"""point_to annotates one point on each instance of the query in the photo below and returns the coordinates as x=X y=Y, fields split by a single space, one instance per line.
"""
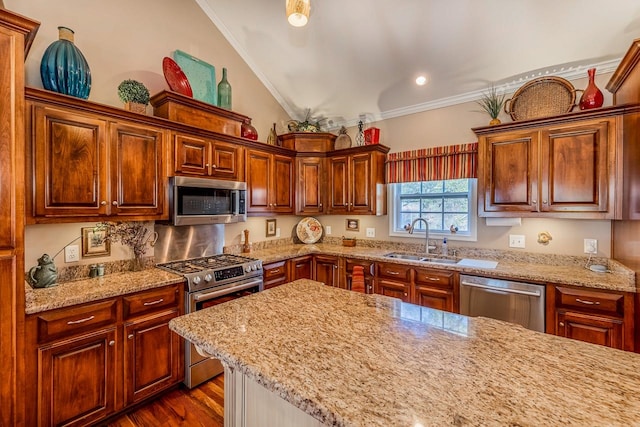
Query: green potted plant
x=492 y=103
x=134 y=95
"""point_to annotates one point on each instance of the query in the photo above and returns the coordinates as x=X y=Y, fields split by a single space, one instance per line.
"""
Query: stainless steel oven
x=213 y=280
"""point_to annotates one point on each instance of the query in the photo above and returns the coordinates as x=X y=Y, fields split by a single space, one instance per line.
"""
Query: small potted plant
x=492 y=104
x=134 y=95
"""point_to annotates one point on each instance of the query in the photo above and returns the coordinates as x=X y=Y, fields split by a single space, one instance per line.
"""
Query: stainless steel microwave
x=197 y=201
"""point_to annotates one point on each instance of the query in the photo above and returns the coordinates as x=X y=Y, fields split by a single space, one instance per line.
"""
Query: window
x=443 y=203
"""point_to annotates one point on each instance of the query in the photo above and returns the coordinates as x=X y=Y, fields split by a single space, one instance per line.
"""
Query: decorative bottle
x=592 y=96
x=224 y=92
x=64 y=69
x=360 y=134
x=247 y=130
x=272 y=139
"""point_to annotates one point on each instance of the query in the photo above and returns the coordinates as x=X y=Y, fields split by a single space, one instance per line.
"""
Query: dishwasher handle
x=505 y=290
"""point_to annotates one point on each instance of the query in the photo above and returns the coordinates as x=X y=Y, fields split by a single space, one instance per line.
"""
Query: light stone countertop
x=350 y=359
x=529 y=267
x=81 y=291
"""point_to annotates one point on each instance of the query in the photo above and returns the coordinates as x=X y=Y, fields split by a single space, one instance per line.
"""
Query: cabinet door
x=258 y=180
x=338 y=184
x=191 y=155
x=361 y=185
x=301 y=268
x=441 y=299
x=137 y=174
x=576 y=171
x=152 y=356
x=282 y=184
x=69 y=164
x=436 y=289
x=369 y=273
x=226 y=161
x=310 y=185
x=326 y=270
x=510 y=179
x=401 y=290
x=594 y=329
x=76 y=379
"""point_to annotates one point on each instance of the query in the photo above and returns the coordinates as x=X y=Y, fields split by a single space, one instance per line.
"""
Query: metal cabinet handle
x=111 y=343
x=581 y=301
x=158 y=301
x=433 y=279
x=103 y=203
x=561 y=323
x=534 y=201
x=75 y=322
x=299 y=265
x=395 y=273
x=405 y=294
x=114 y=203
x=214 y=166
x=130 y=336
x=544 y=202
x=275 y=270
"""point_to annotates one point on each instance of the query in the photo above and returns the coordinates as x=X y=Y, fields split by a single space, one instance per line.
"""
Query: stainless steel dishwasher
x=516 y=302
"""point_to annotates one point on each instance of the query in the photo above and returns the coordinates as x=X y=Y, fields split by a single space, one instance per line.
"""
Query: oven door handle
x=505 y=290
x=226 y=291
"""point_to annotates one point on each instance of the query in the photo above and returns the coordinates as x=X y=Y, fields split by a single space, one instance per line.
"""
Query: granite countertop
x=557 y=269
x=350 y=359
x=81 y=291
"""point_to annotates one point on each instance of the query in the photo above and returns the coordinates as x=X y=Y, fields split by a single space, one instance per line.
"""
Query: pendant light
x=298 y=12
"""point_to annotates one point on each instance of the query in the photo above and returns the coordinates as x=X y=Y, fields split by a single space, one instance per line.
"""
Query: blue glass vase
x=64 y=69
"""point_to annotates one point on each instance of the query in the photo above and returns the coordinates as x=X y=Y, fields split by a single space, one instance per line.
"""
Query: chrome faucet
x=412 y=226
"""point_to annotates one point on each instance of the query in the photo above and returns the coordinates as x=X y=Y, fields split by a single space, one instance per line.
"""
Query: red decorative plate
x=175 y=78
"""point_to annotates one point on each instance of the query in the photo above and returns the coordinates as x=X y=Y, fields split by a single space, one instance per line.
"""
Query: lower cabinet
x=590 y=315
x=326 y=269
x=301 y=268
x=274 y=274
x=369 y=273
x=90 y=361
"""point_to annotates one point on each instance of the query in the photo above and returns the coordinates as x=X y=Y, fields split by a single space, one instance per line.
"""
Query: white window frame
x=472 y=236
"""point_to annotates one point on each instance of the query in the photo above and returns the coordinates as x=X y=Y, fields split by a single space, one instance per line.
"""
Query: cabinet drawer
x=149 y=301
x=608 y=302
x=441 y=279
x=67 y=322
x=275 y=270
x=394 y=271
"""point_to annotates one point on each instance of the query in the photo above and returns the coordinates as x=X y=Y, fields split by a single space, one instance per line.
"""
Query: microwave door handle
x=505 y=290
x=235 y=202
x=226 y=291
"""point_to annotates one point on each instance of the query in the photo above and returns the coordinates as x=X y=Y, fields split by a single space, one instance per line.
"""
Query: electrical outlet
x=516 y=241
x=71 y=253
x=371 y=232
x=590 y=246
x=327 y=230
x=277 y=231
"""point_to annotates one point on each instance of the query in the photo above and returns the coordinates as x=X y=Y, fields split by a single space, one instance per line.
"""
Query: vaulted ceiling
x=361 y=57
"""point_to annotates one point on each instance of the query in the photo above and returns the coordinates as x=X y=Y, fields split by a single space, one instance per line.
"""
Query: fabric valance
x=433 y=164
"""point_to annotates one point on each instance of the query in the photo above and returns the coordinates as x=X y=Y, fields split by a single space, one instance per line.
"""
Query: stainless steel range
x=212 y=280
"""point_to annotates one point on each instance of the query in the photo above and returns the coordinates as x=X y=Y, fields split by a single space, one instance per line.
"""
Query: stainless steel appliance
x=516 y=302
x=213 y=280
x=197 y=201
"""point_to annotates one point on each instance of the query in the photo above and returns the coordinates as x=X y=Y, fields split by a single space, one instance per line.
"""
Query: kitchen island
x=348 y=359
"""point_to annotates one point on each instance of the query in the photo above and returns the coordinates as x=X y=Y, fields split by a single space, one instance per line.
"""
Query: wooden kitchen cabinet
x=326 y=270
x=368 y=268
x=394 y=280
x=301 y=268
x=437 y=289
x=88 y=166
x=269 y=182
x=357 y=182
x=595 y=316
x=559 y=168
x=89 y=361
x=197 y=156
x=310 y=185
x=274 y=274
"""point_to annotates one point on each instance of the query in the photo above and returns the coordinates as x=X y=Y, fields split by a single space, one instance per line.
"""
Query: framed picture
x=271 y=227
x=352 y=224
x=94 y=242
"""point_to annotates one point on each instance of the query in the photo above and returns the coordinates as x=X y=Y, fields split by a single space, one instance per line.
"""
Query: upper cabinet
x=269 y=182
x=564 y=166
x=88 y=166
x=310 y=185
x=198 y=156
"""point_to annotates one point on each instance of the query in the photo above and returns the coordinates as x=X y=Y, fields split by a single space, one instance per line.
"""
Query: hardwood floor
x=200 y=406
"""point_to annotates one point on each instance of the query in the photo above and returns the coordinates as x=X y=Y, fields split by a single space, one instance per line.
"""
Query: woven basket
x=541 y=97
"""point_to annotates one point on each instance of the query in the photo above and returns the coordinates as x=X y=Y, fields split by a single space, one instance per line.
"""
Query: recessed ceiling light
x=421 y=80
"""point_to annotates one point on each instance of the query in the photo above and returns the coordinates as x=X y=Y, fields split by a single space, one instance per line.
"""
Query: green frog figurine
x=45 y=274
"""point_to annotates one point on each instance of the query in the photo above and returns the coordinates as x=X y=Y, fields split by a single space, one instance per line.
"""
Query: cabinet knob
x=207 y=165
x=346 y=204
x=114 y=203
x=544 y=202
x=103 y=203
x=534 y=201
x=561 y=323
x=130 y=336
x=214 y=166
x=405 y=294
x=112 y=343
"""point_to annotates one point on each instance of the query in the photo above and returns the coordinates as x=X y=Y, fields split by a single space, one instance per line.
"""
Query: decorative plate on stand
x=309 y=230
x=175 y=78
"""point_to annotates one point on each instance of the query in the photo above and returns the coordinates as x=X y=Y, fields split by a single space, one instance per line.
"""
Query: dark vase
x=64 y=69
x=248 y=131
x=224 y=92
x=592 y=96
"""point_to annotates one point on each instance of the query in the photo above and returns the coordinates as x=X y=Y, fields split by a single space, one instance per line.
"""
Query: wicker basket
x=349 y=242
x=541 y=97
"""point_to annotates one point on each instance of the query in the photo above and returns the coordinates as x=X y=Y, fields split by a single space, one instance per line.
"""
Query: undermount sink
x=399 y=255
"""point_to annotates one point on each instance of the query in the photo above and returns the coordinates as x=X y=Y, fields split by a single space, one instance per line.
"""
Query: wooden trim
x=626 y=66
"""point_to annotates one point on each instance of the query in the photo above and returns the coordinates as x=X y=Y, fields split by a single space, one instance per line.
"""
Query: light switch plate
x=277 y=231
x=590 y=246
x=327 y=230
x=71 y=253
x=371 y=232
x=516 y=241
